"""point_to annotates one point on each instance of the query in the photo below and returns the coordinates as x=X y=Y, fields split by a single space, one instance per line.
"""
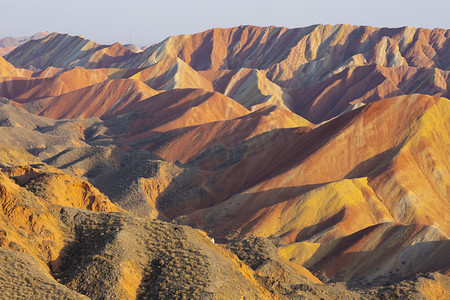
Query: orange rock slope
x=31 y=88
x=6 y=69
x=330 y=141
x=28 y=199
x=387 y=141
x=317 y=72
x=100 y=100
x=396 y=172
x=46 y=216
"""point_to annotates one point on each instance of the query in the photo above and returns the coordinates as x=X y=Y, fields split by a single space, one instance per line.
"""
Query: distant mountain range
x=7 y=44
x=316 y=158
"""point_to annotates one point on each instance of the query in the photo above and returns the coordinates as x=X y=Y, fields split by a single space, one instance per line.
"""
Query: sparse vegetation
x=246 y=133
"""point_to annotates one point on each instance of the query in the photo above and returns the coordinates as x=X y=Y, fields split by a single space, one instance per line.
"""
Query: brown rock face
x=31 y=88
x=320 y=156
x=98 y=100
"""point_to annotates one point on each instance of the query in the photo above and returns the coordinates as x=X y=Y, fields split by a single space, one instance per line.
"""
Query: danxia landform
x=239 y=163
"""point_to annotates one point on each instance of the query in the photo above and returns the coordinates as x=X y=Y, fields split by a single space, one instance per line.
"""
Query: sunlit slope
x=180 y=124
x=293 y=57
x=29 y=89
x=185 y=144
x=270 y=188
x=330 y=143
x=99 y=100
x=46 y=216
x=250 y=87
x=296 y=57
x=315 y=210
x=26 y=216
x=415 y=184
x=6 y=69
x=172 y=73
x=318 y=72
x=375 y=253
x=65 y=50
x=354 y=87
x=179 y=108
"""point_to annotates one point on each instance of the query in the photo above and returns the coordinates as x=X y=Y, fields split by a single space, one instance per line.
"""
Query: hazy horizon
x=149 y=22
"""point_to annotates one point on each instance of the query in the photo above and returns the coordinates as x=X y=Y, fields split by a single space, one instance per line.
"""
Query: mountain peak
x=316 y=151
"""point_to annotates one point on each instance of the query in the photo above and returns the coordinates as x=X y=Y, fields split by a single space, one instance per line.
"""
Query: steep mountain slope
x=32 y=88
x=136 y=257
x=289 y=54
x=322 y=149
x=333 y=144
x=9 y=43
x=292 y=198
x=315 y=67
x=250 y=87
x=178 y=109
x=376 y=253
x=179 y=124
x=6 y=69
x=352 y=88
x=70 y=232
x=65 y=50
x=98 y=100
x=185 y=144
x=27 y=195
x=172 y=73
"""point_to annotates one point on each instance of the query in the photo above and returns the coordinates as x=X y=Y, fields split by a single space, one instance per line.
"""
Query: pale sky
x=109 y=21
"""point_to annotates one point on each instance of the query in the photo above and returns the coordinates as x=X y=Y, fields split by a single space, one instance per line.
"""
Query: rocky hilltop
x=249 y=162
x=9 y=43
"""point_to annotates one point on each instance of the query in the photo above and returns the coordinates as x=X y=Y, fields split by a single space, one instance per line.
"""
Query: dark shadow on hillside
x=281 y=160
x=308 y=232
x=14 y=88
x=376 y=163
x=390 y=261
x=219 y=227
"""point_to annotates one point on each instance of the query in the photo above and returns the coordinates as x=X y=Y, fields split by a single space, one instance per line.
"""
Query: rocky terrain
x=9 y=43
x=241 y=163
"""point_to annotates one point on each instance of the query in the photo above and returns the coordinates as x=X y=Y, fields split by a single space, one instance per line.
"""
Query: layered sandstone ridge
x=317 y=157
x=307 y=69
x=51 y=222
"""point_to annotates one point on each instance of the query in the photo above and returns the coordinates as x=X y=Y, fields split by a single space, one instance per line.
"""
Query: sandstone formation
x=240 y=163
